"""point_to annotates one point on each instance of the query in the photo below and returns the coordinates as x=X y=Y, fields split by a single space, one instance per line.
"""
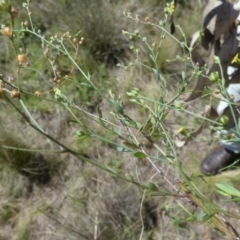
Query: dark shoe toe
x=216 y=160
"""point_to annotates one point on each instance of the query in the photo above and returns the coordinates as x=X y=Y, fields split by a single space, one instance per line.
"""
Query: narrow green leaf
x=183 y=75
x=191 y=219
x=222 y=193
x=156 y=72
x=201 y=215
x=116 y=131
x=153 y=58
x=152 y=186
x=140 y=155
x=81 y=135
x=170 y=156
x=130 y=145
x=163 y=116
x=77 y=34
x=117 y=106
x=129 y=122
x=208 y=217
x=87 y=85
x=111 y=170
x=100 y=115
x=163 y=193
x=228 y=189
x=99 y=112
x=153 y=120
x=122 y=149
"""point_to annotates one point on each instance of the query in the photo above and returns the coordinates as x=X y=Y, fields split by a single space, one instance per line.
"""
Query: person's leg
x=228 y=152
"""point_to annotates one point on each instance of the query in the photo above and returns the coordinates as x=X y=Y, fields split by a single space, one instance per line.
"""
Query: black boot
x=216 y=160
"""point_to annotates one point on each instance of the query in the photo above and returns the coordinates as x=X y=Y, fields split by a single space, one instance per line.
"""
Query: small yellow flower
x=170 y=8
x=181 y=130
x=236 y=59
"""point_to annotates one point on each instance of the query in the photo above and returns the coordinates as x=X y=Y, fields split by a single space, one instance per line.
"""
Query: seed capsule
x=7 y=31
x=232 y=97
x=14 y=12
x=65 y=35
x=38 y=94
x=22 y=58
x=154 y=45
x=26 y=24
x=15 y=94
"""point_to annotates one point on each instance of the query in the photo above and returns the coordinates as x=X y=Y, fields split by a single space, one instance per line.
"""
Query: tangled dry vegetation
x=51 y=194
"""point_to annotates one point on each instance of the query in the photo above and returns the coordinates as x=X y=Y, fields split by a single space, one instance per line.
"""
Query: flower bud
x=214 y=77
x=224 y=120
x=178 y=105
